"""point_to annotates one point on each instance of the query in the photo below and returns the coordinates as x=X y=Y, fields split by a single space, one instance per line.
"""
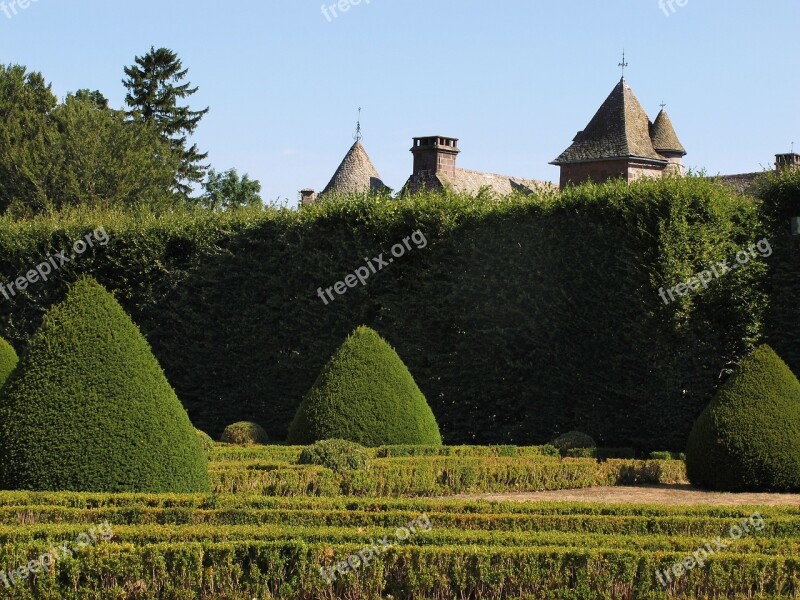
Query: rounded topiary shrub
x=8 y=361
x=337 y=455
x=244 y=433
x=573 y=439
x=748 y=437
x=206 y=441
x=365 y=394
x=89 y=409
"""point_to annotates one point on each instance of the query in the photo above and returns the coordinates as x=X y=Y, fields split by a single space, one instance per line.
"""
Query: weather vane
x=623 y=64
x=357 y=137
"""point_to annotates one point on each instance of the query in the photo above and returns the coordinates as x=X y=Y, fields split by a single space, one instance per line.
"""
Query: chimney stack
x=435 y=155
x=787 y=161
x=307 y=196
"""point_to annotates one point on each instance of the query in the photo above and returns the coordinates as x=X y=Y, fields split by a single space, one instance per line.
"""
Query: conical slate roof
x=355 y=175
x=664 y=137
x=620 y=129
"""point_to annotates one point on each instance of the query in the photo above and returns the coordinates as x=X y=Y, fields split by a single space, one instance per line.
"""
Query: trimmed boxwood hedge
x=89 y=408
x=337 y=455
x=365 y=394
x=206 y=441
x=8 y=361
x=748 y=437
x=244 y=433
x=573 y=439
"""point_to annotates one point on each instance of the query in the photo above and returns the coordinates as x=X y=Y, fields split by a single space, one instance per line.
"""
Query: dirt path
x=676 y=495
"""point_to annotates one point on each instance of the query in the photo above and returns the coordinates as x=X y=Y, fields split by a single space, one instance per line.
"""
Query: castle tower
x=667 y=144
x=356 y=175
x=617 y=143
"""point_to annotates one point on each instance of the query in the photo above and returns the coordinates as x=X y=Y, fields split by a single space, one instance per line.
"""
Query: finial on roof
x=623 y=64
x=663 y=105
x=358 y=135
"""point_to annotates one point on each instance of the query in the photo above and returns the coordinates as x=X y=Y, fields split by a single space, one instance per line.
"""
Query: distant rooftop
x=356 y=174
x=620 y=128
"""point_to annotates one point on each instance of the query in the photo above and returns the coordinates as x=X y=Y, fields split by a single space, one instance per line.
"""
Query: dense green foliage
x=748 y=437
x=206 y=441
x=89 y=409
x=243 y=433
x=518 y=320
x=337 y=455
x=8 y=361
x=573 y=439
x=223 y=191
x=78 y=152
x=365 y=394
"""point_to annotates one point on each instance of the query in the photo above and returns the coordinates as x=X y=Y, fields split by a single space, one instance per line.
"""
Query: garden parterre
x=251 y=545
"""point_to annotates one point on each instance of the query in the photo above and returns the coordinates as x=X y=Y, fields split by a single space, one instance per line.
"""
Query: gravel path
x=676 y=495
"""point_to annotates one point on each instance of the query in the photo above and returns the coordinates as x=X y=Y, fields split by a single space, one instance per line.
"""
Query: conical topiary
x=8 y=361
x=89 y=409
x=365 y=394
x=748 y=437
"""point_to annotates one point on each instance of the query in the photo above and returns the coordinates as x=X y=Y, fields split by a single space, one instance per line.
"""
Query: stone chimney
x=435 y=155
x=307 y=196
x=787 y=161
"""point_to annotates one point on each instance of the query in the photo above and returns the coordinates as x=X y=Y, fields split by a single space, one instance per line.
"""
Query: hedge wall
x=519 y=320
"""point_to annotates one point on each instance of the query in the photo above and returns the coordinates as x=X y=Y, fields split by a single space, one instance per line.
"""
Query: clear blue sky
x=513 y=79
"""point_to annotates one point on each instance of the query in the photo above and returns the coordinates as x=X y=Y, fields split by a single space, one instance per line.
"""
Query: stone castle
x=620 y=141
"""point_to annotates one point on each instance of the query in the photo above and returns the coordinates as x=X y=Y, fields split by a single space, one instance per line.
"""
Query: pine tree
x=154 y=90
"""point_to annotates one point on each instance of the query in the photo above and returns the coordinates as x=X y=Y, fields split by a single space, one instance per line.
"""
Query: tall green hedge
x=781 y=194
x=366 y=395
x=89 y=408
x=8 y=361
x=748 y=438
x=519 y=319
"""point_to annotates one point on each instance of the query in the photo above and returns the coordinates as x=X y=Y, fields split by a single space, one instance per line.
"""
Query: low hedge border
x=442 y=476
x=291 y=569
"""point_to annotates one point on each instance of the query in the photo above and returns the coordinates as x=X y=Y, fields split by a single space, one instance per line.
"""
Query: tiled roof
x=355 y=175
x=620 y=129
x=472 y=182
x=664 y=137
x=743 y=183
